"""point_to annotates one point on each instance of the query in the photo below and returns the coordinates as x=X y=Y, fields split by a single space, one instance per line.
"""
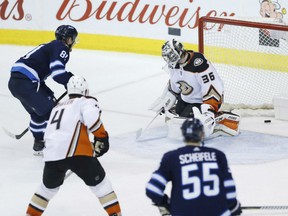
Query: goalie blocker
x=224 y=124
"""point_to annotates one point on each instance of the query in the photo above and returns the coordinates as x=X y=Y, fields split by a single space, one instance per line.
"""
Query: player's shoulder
x=57 y=45
x=170 y=154
x=89 y=100
x=197 y=62
x=178 y=151
x=211 y=149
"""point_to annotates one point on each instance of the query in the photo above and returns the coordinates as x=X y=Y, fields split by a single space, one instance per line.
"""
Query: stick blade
x=143 y=135
x=9 y=133
x=139 y=134
x=15 y=136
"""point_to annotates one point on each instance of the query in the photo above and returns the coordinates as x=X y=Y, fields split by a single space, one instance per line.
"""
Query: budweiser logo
x=11 y=10
x=140 y=11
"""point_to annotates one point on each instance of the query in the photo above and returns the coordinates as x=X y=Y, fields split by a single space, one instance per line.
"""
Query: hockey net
x=251 y=56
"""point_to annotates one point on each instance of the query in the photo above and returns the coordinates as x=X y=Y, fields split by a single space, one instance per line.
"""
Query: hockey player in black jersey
x=202 y=184
x=28 y=75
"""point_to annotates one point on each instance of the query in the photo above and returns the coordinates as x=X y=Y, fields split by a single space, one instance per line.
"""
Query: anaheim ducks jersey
x=197 y=81
x=67 y=132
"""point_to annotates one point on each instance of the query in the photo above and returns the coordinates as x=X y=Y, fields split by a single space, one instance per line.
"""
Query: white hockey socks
x=107 y=197
x=40 y=200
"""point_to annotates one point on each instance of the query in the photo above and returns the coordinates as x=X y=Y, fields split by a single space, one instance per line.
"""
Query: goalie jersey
x=67 y=132
x=201 y=182
x=197 y=81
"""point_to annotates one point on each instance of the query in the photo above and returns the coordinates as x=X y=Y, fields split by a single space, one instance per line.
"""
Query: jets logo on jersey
x=185 y=88
x=198 y=61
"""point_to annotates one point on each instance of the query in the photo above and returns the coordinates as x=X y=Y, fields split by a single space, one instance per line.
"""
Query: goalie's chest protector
x=187 y=84
x=196 y=79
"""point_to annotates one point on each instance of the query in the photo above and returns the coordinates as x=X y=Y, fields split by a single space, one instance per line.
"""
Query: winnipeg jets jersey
x=197 y=81
x=202 y=184
x=67 y=132
x=45 y=60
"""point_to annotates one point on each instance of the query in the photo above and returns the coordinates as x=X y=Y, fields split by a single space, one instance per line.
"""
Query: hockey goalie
x=194 y=90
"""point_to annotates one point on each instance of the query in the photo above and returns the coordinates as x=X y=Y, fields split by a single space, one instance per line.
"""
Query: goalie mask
x=172 y=51
x=77 y=86
x=192 y=130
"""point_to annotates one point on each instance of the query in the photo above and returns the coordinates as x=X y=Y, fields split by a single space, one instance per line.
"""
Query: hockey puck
x=267 y=121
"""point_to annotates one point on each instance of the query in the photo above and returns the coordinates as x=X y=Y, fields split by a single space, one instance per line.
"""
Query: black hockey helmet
x=192 y=130
x=65 y=31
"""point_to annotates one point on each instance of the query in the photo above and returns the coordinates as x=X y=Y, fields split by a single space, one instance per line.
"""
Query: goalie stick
x=140 y=132
x=264 y=207
x=19 y=136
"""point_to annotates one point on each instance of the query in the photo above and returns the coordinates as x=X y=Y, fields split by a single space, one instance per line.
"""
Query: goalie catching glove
x=207 y=117
x=164 y=102
x=101 y=146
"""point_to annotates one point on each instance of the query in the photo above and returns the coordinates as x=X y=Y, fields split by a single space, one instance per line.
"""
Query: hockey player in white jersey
x=194 y=89
x=68 y=147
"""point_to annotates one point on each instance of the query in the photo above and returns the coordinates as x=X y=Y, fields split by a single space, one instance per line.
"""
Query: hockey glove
x=207 y=109
x=236 y=210
x=164 y=102
x=101 y=146
x=206 y=117
x=164 y=206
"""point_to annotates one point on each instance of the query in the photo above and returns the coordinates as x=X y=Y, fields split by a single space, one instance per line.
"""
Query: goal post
x=251 y=56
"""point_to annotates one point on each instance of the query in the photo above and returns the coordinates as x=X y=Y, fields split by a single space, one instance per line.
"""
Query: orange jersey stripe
x=80 y=144
x=32 y=211
x=100 y=132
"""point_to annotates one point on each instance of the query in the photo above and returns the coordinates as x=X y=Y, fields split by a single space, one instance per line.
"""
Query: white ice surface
x=125 y=85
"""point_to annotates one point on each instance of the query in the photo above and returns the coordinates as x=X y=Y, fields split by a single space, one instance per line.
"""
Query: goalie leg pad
x=227 y=124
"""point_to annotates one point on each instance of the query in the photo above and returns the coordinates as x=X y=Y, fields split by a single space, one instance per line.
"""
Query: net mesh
x=251 y=58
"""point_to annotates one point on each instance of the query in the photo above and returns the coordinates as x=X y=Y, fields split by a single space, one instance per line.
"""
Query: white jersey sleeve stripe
x=95 y=126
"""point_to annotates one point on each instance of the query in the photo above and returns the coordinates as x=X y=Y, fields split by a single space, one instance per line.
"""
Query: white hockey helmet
x=77 y=85
x=172 y=51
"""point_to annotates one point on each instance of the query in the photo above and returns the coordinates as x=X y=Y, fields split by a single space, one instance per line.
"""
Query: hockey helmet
x=63 y=32
x=77 y=86
x=193 y=130
x=172 y=51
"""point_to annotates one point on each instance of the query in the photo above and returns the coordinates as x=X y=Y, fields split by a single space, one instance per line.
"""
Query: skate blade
x=38 y=153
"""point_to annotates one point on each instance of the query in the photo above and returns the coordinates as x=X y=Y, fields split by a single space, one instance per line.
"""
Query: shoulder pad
x=197 y=63
x=90 y=97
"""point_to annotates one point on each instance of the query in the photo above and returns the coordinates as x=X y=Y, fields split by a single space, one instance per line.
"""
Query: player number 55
x=194 y=182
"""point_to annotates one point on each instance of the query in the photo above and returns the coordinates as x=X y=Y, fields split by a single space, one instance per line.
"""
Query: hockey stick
x=264 y=207
x=19 y=136
x=140 y=132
